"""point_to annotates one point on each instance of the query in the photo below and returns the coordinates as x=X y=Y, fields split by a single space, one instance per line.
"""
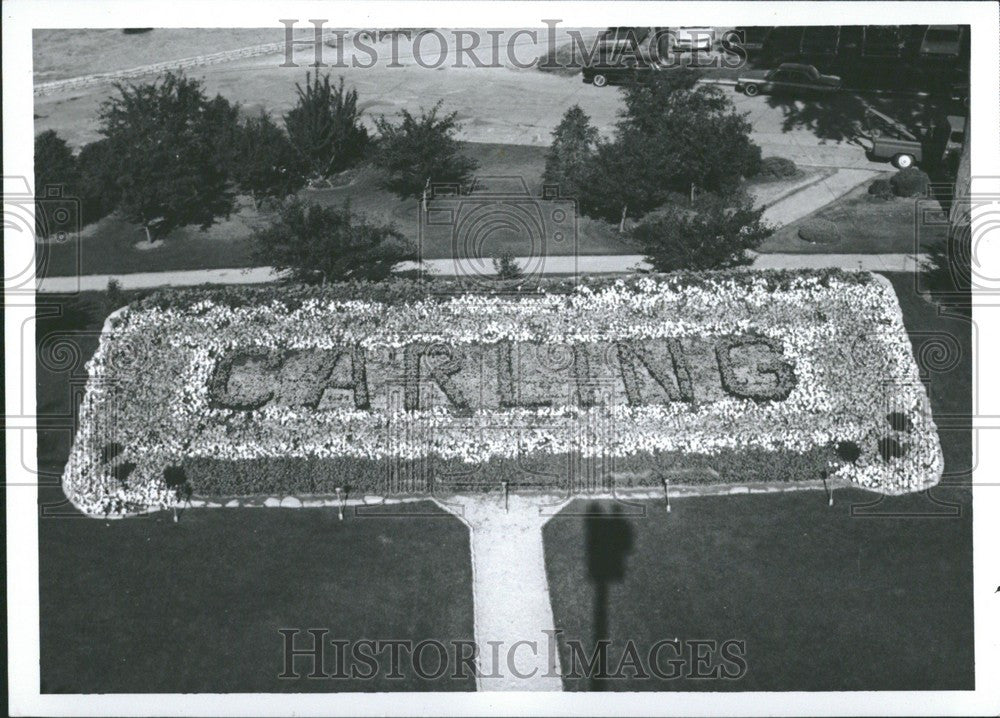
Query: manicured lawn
x=867 y=225
x=146 y=605
x=825 y=600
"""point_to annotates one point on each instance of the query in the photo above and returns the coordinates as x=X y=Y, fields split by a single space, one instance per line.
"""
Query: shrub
x=777 y=168
x=910 y=182
x=819 y=231
x=506 y=268
x=328 y=243
x=881 y=188
x=713 y=234
x=114 y=295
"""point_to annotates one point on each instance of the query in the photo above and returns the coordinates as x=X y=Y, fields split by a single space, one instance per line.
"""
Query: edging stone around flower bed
x=553 y=501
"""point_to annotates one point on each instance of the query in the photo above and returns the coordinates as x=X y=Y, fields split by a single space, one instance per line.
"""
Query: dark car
x=789 y=77
x=750 y=37
x=623 y=73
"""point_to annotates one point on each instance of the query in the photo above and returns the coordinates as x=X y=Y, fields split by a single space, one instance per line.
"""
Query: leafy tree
x=570 y=157
x=328 y=243
x=265 y=163
x=674 y=136
x=420 y=150
x=324 y=126
x=645 y=101
x=55 y=167
x=54 y=163
x=172 y=149
x=713 y=233
x=98 y=183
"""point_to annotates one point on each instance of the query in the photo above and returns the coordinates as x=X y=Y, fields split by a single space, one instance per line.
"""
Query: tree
x=570 y=157
x=713 y=233
x=55 y=167
x=420 y=150
x=328 y=244
x=171 y=149
x=54 y=163
x=674 y=136
x=98 y=183
x=265 y=162
x=324 y=127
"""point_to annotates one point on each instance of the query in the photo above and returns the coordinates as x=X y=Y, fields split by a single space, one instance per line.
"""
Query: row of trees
x=171 y=156
x=672 y=172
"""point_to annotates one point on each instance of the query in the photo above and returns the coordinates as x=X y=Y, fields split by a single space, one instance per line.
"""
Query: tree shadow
x=608 y=541
x=855 y=117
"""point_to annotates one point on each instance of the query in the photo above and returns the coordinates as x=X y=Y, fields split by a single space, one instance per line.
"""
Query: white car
x=694 y=39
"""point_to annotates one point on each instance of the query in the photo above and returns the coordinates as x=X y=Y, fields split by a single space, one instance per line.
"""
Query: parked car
x=905 y=152
x=693 y=39
x=625 y=55
x=628 y=72
x=942 y=42
x=750 y=37
x=789 y=77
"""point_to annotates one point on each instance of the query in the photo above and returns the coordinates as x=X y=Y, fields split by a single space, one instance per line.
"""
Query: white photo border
x=20 y=17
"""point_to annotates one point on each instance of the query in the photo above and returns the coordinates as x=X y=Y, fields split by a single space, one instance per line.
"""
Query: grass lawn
x=867 y=225
x=824 y=600
x=146 y=605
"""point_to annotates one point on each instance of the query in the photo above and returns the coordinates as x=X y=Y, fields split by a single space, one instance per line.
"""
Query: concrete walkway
x=815 y=196
x=514 y=625
x=600 y=264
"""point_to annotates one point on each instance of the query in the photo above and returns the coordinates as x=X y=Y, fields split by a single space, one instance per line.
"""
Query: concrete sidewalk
x=816 y=195
x=572 y=266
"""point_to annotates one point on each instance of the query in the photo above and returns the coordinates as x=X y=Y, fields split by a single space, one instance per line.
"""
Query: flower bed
x=720 y=377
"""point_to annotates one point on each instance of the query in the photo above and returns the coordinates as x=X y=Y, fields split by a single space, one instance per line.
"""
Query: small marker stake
x=829 y=492
x=175 y=513
x=340 y=505
x=504 y=484
x=666 y=493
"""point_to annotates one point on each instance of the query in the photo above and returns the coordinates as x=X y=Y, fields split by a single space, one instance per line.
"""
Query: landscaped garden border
x=746 y=376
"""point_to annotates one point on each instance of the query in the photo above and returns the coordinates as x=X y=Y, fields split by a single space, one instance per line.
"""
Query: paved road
x=501 y=104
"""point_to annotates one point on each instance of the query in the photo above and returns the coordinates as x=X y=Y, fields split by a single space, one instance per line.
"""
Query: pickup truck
x=909 y=152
